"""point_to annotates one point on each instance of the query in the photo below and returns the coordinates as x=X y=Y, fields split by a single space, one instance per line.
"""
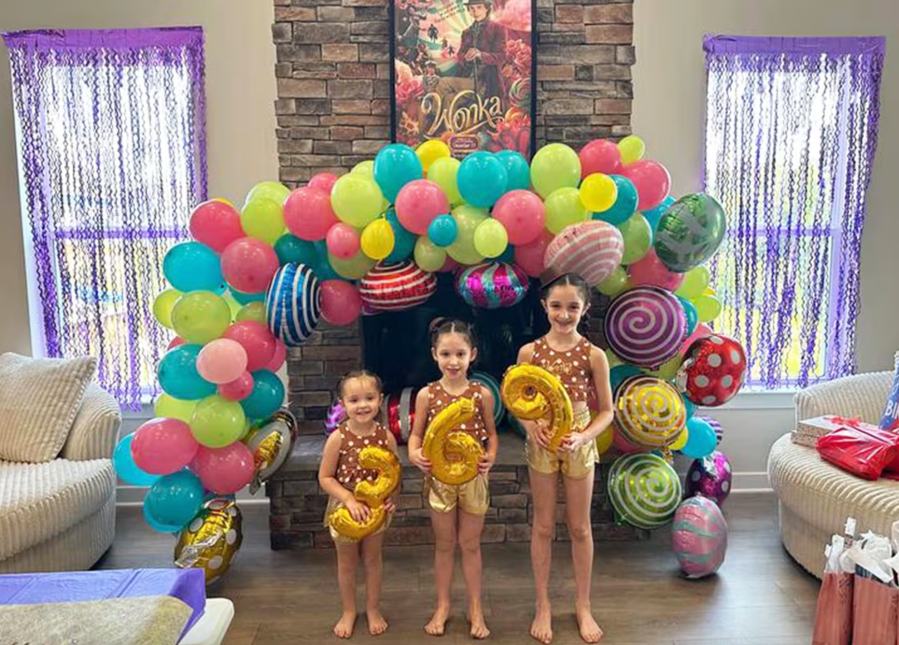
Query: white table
x=213 y=624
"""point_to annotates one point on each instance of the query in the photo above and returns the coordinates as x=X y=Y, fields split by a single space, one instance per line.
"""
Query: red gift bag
x=861 y=451
x=875 y=611
x=833 y=618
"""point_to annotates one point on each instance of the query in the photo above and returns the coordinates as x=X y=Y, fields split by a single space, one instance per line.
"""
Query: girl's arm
x=600 y=367
x=489 y=458
x=389 y=503
x=328 y=481
x=418 y=432
x=537 y=430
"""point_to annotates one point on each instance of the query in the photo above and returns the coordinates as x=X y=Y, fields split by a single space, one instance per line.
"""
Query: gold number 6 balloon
x=530 y=392
x=454 y=455
x=373 y=494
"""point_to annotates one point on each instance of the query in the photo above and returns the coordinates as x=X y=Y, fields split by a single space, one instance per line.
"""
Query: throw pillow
x=891 y=411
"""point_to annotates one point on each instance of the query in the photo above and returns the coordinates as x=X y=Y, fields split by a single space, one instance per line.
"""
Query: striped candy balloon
x=493 y=385
x=699 y=537
x=492 y=285
x=649 y=412
x=292 y=304
x=591 y=249
x=644 y=490
x=646 y=326
x=398 y=413
x=396 y=286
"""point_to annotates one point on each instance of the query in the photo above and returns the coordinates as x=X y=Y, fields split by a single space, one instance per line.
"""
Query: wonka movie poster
x=463 y=72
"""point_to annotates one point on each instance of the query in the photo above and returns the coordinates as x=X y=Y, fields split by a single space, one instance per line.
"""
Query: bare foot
x=344 y=626
x=542 y=627
x=479 y=629
x=376 y=623
x=590 y=631
x=437 y=624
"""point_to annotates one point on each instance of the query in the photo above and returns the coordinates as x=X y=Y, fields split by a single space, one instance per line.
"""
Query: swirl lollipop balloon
x=646 y=326
x=644 y=490
x=649 y=412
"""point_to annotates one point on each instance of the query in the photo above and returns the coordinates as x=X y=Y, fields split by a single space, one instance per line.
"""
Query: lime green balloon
x=217 y=422
x=273 y=190
x=467 y=219
x=428 y=256
x=616 y=283
x=553 y=167
x=443 y=172
x=163 y=305
x=263 y=219
x=491 y=238
x=357 y=200
x=353 y=269
x=695 y=282
x=564 y=208
x=253 y=311
x=613 y=359
x=169 y=406
x=668 y=370
x=708 y=307
x=632 y=149
x=637 y=234
x=200 y=317
x=233 y=305
x=366 y=168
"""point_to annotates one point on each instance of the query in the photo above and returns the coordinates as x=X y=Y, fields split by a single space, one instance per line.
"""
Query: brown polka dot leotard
x=572 y=367
x=349 y=472
x=439 y=399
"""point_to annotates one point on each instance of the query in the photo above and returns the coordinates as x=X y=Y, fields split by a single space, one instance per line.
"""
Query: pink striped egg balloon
x=699 y=537
x=590 y=249
x=492 y=285
x=397 y=286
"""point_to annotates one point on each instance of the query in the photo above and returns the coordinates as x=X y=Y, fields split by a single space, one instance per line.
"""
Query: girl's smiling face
x=361 y=399
x=565 y=306
x=454 y=355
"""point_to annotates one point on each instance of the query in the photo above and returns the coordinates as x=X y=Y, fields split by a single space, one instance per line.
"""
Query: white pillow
x=39 y=398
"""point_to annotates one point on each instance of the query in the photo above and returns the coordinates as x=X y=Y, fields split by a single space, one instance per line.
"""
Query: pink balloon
x=343 y=241
x=216 y=224
x=449 y=265
x=600 y=155
x=257 y=341
x=308 y=213
x=418 y=203
x=340 y=301
x=238 y=389
x=222 y=361
x=701 y=330
x=323 y=181
x=279 y=357
x=523 y=214
x=623 y=444
x=177 y=341
x=163 y=446
x=530 y=256
x=249 y=265
x=226 y=470
x=652 y=181
x=649 y=270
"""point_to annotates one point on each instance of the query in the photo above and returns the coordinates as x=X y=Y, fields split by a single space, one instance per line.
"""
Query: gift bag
x=861 y=451
x=833 y=617
x=875 y=612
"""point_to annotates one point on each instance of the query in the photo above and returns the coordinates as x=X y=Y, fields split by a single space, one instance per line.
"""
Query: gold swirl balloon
x=372 y=493
x=211 y=540
x=530 y=392
x=453 y=454
x=270 y=444
x=649 y=412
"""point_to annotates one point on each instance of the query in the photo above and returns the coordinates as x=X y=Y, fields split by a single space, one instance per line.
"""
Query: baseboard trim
x=751 y=482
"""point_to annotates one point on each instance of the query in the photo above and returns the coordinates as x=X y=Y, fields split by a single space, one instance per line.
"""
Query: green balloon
x=695 y=282
x=491 y=238
x=172 y=408
x=217 y=422
x=690 y=232
x=273 y=190
x=555 y=166
x=428 y=256
x=357 y=200
x=443 y=172
x=163 y=305
x=353 y=269
x=637 y=234
x=615 y=283
x=263 y=219
x=467 y=219
x=201 y=316
x=644 y=490
x=564 y=208
x=254 y=311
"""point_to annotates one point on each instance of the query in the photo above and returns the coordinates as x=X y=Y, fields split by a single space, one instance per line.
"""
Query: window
x=791 y=129
x=110 y=126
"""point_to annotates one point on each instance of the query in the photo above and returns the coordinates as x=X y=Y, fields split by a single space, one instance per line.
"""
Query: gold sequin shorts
x=472 y=497
x=575 y=465
x=333 y=505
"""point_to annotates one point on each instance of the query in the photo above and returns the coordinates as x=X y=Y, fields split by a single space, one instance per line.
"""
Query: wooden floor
x=760 y=597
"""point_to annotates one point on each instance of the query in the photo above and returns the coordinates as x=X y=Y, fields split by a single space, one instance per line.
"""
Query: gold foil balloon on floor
x=453 y=454
x=649 y=412
x=271 y=444
x=372 y=493
x=532 y=393
x=211 y=540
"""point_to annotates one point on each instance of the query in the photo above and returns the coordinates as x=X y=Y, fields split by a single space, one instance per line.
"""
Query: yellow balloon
x=353 y=269
x=695 y=282
x=649 y=412
x=373 y=493
x=681 y=440
x=454 y=455
x=172 y=408
x=443 y=172
x=224 y=201
x=617 y=282
x=253 y=311
x=163 y=305
x=632 y=149
x=530 y=392
x=378 y=239
x=211 y=540
x=366 y=168
x=598 y=192
x=463 y=249
x=491 y=238
x=708 y=307
x=428 y=256
x=430 y=151
x=604 y=441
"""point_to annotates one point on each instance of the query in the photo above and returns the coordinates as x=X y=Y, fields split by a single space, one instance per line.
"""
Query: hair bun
x=436 y=322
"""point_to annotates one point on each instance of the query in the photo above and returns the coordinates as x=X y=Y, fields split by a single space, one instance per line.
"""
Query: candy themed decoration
x=398 y=412
x=646 y=326
x=644 y=490
x=336 y=415
x=690 y=232
x=591 y=249
x=649 y=412
x=710 y=477
x=713 y=371
x=719 y=431
x=454 y=455
x=499 y=410
x=270 y=444
x=395 y=287
x=292 y=304
x=699 y=537
x=212 y=539
x=530 y=393
x=492 y=285
x=373 y=494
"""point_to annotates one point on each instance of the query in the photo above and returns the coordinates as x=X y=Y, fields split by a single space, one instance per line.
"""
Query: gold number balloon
x=530 y=392
x=211 y=540
x=454 y=455
x=649 y=412
x=372 y=493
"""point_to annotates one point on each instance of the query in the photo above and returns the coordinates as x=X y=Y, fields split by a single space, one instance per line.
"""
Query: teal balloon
x=625 y=205
x=482 y=179
x=701 y=440
x=191 y=266
x=443 y=230
x=291 y=249
x=395 y=166
x=689 y=407
x=266 y=397
x=620 y=372
x=691 y=313
x=179 y=377
x=127 y=470
x=493 y=385
x=403 y=240
x=174 y=499
x=246 y=298
x=508 y=255
x=156 y=525
x=321 y=267
x=690 y=232
x=516 y=168
x=654 y=215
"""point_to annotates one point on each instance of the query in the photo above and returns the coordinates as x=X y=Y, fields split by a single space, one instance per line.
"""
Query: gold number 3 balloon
x=454 y=455
x=530 y=392
x=372 y=493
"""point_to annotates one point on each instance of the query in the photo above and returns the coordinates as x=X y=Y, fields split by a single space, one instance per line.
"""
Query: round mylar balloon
x=395 y=287
x=645 y=326
x=590 y=249
x=710 y=477
x=398 y=410
x=699 y=537
x=492 y=285
x=713 y=370
x=649 y=412
x=690 y=232
x=644 y=490
x=292 y=304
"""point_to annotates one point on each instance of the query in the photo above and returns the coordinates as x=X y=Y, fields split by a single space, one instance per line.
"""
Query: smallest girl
x=360 y=394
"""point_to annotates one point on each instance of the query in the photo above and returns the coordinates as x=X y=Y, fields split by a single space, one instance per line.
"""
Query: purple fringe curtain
x=791 y=130
x=112 y=154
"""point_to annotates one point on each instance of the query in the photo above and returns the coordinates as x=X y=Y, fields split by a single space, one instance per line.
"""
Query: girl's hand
x=358 y=511
x=573 y=442
x=540 y=432
x=389 y=505
x=418 y=459
x=485 y=463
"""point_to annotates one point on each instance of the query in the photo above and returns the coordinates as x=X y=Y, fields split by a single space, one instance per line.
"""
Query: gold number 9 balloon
x=371 y=493
x=530 y=392
x=211 y=540
x=453 y=454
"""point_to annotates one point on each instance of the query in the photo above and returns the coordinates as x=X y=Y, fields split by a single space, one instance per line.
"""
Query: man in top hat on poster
x=482 y=51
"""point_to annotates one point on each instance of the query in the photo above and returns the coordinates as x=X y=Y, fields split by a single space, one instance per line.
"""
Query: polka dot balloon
x=713 y=370
x=211 y=540
x=710 y=477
